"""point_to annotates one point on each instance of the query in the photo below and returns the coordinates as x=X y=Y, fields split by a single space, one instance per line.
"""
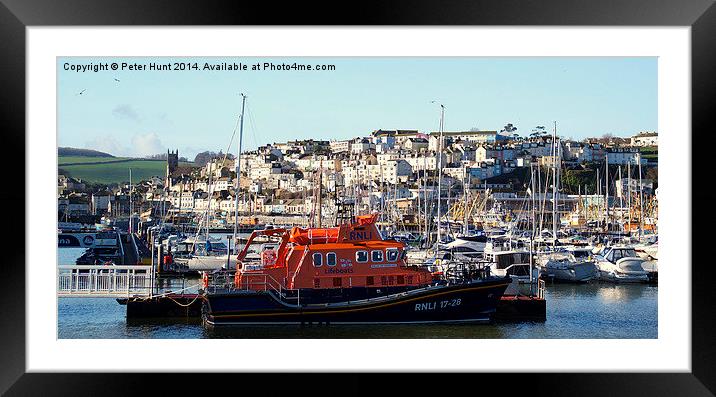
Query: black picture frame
x=16 y=15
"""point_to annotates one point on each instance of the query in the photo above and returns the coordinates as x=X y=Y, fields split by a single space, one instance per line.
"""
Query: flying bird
x=116 y=79
x=81 y=92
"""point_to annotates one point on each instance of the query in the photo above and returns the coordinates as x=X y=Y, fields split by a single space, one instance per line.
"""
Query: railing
x=540 y=289
x=221 y=281
x=105 y=281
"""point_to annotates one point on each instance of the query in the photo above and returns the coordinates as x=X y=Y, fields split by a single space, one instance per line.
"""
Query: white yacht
x=467 y=247
x=514 y=263
x=574 y=264
x=621 y=264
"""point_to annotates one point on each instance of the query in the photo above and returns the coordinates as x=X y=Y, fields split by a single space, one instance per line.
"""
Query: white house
x=645 y=139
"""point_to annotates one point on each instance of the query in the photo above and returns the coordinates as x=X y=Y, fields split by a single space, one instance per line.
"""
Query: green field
x=113 y=170
x=650 y=153
x=84 y=159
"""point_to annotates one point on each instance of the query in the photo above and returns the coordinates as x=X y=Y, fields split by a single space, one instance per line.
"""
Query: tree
x=537 y=131
x=509 y=128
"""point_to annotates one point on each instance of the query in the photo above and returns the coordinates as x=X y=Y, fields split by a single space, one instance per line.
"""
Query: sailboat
x=566 y=266
x=206 y=260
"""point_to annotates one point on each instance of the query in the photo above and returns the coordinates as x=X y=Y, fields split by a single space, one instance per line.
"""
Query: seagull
x=81 y=92
x=116 y=79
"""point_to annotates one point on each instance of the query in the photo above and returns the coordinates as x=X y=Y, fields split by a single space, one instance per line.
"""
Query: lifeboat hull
x=469 y=302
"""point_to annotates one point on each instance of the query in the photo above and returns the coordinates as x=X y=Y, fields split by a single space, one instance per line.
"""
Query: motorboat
x=467 y=247
x=621 y=264
x=573 y=264
x=513 y=263
x=106 y=250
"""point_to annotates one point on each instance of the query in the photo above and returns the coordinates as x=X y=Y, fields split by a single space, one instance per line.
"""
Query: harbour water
x=574 y=311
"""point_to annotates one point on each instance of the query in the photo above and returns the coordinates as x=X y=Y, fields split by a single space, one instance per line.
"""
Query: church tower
x=172 y=165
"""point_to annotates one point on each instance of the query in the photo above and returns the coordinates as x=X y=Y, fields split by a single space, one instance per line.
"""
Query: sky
x=136 y=113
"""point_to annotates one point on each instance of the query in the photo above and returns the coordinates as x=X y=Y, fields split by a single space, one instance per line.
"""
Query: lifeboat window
x=377 y=256
x=337 y=281
x=362 y=256
x=383 y=280
x=369 y=280
x=392 y=254
x=316 y=282
x=331 y=259
x=410 y=279
x=400 y=280
x=317 y=259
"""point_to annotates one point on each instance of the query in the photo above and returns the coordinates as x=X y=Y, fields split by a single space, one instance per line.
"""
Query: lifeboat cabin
x=348 y=256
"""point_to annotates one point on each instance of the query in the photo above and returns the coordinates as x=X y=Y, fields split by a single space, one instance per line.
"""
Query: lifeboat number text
x=419 y=307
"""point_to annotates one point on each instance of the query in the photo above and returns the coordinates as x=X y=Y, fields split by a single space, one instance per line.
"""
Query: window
x=369 y=280
x=362 y=256
x=401 y=280
x=331 y=259
x=317 y=259
x=337 y=281
x=618 y=254
x=377 y=256
x=383 y=280
x=316 y=282
x=392 y=254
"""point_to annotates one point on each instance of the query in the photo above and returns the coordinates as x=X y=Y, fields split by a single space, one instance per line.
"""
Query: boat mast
x=606 y=189
x=130 y=202
x=440 y=165
x=466 y=190
x=237 y=166
x=534 y=219
x=554 y=185
x=621 y=196
x=209 y=197
x=425 y=197
x=629 y=193
x=320 y=193
x=641 y=199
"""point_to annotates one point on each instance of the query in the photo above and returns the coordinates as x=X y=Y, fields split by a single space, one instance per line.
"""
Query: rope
x=135 y=299
x=183 y=305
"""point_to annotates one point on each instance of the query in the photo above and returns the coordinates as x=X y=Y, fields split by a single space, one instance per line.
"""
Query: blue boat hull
x=470 y=302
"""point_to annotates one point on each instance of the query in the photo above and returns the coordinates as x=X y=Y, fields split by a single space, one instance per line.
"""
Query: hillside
x=112 y=170
x=70 y=151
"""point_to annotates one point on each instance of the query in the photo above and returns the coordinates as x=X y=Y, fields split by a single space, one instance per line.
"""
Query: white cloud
x=147 y=144
x=107 y=144
x=141 y=145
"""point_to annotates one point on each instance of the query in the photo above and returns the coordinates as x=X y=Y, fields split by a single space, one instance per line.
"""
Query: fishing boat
x=345 y=274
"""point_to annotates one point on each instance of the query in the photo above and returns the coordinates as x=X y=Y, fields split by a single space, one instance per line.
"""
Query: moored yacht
x=467 y=247
x=574 y=264
x=621 y=264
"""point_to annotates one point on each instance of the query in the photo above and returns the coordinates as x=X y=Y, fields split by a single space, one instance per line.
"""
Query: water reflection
x=341 y=331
